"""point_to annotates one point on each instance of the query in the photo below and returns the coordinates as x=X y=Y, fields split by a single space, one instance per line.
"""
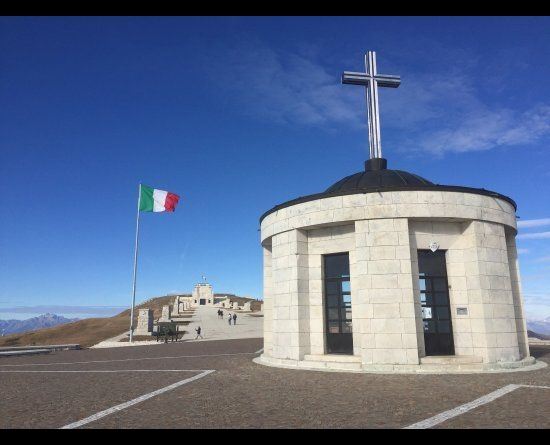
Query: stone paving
x=239 y=393
x=115 y=342
x=213 y=328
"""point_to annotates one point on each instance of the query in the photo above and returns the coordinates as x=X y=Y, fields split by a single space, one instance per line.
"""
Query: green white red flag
x=154 y=200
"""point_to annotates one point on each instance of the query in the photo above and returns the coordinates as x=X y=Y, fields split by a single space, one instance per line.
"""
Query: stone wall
x=321 y=242
x=405 y=204
x=513 y=264
x=479 y=280
x=384 y=290
x=289 y=295
x=382 y=233
x=144 y=322
x=203 y=291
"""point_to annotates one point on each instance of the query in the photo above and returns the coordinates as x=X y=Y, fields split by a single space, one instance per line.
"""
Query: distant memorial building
x=203 y=295
x=387 y=271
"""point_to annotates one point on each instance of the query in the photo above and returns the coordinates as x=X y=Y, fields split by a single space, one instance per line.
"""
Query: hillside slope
x=532 y=334
x=540 y=326
x=85 y=332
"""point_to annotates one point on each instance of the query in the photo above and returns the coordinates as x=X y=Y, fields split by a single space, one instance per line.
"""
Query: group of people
x=231 y=317
x=220 y=315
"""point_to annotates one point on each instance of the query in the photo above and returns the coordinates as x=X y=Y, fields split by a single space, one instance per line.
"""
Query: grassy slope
x=85 y=332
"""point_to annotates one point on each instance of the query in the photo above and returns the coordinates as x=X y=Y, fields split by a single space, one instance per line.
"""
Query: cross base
x=376 y=164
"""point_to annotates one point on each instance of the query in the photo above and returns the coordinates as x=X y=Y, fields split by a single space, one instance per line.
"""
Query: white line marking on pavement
x=113 y=370
x=446 y=415
x=535 y=386
x=127 y=359
x=139 y=399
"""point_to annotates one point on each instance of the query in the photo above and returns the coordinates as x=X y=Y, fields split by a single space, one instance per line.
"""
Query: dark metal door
x=338 y=320
x=434 y=298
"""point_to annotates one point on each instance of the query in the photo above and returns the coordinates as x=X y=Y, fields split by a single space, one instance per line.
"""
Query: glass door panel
x=338 y=315
x=434 y=299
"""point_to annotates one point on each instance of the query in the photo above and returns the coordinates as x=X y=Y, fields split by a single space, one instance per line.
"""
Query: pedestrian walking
x=221 y=314
x=198 y=331
x=229 y=319
x=234 y=319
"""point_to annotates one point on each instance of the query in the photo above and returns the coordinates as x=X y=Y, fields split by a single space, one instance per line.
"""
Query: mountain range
x=539 y=326
x=32 y=324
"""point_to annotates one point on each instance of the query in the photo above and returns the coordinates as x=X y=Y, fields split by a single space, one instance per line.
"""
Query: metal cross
x=372 y=80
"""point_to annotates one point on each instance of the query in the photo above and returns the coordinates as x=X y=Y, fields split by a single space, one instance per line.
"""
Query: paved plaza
x=185 y=385
x=249 y=324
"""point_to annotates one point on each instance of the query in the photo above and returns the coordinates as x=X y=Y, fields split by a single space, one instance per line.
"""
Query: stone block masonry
x=382 y=232
x=145 y=322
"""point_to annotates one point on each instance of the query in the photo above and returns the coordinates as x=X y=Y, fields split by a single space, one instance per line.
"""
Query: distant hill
x=532 y=334
x=31 y=324
x=540 y=326
x=86 y=332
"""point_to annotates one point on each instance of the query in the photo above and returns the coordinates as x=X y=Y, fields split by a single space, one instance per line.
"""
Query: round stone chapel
x=386 y=271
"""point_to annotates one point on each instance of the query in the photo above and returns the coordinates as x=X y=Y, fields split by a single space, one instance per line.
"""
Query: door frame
x=341 y=307
x=441 y=253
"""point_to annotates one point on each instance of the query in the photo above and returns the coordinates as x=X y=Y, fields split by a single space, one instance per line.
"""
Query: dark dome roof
x=377 y=178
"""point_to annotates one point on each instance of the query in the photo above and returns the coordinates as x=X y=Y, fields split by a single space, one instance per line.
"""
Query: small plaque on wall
x=461 y=311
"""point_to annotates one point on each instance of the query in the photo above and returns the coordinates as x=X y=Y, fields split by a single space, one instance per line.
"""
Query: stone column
x=145 y=322
x=515 y=278
x=492 y=311
x=177 y=306
x=316 y=304
x=382 y=293
x=165 y=313
x=290 y=295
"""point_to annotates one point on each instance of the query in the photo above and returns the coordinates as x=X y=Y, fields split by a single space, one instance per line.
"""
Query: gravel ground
x=243 y=394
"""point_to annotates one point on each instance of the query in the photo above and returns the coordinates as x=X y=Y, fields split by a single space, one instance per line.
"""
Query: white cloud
x=521 y=251
x=528 y=223
x=484 y=129
x=536 y=235
x=288 y=88
x=441 y=111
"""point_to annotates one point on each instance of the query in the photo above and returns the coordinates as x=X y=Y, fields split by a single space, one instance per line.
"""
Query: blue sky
x=237 y=115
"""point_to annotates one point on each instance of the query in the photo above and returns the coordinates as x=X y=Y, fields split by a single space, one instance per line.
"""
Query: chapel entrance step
x=339 y=358
x=450 y=359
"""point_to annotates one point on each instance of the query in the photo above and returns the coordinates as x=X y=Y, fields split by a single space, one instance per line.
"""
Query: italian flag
x=154 y=200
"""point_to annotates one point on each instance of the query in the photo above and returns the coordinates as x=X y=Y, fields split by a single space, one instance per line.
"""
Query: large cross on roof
x=372 y=80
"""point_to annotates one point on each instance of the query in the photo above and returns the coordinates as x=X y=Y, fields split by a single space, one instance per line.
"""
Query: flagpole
x=135 y=269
